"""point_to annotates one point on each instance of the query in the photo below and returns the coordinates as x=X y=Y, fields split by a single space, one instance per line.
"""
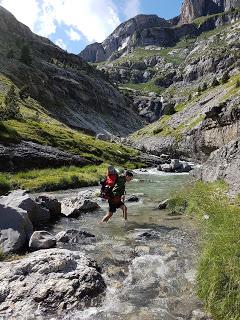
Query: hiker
x=115 y=198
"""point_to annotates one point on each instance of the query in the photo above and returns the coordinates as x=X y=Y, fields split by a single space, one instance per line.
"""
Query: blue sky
x=73 y=24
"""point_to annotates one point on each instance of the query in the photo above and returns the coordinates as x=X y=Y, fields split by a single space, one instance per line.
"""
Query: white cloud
x=94 y=19
x=61 y=44
x=26 y=11
x=73 y=35
x=132 y=8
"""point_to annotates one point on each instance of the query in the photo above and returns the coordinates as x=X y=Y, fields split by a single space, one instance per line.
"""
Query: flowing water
x=149 y=264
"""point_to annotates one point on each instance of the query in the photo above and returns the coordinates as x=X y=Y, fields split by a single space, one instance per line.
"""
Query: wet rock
x=42 y=240
x=23 y=200
x=163 y=204
x=52 y=204
x=132 y=198
x=49 y=281
x=175 y=164
x=166 y=167
x=15 y=229
x=148 y=235
x=75 y=236
x=75 y=206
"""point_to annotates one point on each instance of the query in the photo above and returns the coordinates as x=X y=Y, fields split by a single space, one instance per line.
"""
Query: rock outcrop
x=223 y=163
x=53 y=281
x=26 y=154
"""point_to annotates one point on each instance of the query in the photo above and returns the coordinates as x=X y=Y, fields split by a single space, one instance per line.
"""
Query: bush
x=10 y=109
x=1 y=255
x=225 y=77
x=215 y=82
x=25 y=55
x=204 y=87
x=238 y=84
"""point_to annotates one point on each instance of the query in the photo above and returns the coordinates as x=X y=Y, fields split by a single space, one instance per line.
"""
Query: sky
x=73 y=24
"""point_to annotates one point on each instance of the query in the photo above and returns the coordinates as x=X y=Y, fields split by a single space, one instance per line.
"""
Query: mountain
x=67 y=87
x=150 y=30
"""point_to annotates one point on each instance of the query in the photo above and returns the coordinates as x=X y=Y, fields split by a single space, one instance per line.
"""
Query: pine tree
x=215 y=82
x=225 y=77
x=25 y=55
x=12 y=109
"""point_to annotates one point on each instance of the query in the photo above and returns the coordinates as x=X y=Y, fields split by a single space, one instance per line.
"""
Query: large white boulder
x=23 y=200
x=48 y=284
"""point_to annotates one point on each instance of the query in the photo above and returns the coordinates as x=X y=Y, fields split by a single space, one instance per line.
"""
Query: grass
x=5 y=184
x=57 y=179
x=218 y=280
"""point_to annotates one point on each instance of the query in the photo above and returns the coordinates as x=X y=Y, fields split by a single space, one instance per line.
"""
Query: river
x=148 y=265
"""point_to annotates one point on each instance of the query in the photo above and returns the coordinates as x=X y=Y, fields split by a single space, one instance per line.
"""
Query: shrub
x=238 y=84
x=1 y=255
x=10 y=109
x=190 y=97
x=225 y=77
x=204 y=87
x=25 y=55
x=215 y=82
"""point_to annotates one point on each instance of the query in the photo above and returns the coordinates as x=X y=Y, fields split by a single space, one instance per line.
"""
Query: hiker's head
x=128 y=175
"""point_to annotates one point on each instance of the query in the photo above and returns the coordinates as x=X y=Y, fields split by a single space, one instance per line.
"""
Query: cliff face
x=65 y=85
x=192 y=9
x=122 y=38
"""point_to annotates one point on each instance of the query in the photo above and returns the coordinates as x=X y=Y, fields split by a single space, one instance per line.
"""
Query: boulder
x=53 y=281
x=75 y=206
x=21 y=199
x=186 y=167
x=15 y=229
x=102 y=136
x=163 y=204
x=166 y=167
x=52 y=204
x=176 y=164
x=42 y=240
x=75 y=236
x=132 y=198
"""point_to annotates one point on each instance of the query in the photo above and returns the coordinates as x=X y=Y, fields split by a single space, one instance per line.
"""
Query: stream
x=149 y=264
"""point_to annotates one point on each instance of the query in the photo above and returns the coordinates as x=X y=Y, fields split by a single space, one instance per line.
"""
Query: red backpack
x=108 y=183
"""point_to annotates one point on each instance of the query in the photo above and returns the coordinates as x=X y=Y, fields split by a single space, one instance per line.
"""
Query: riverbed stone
x=163 y=204
x=42 y=240
x=50 y=203
x=75 y=206
x=49 y=281
x=166 y=167
x=23 y=200
x=15 y=229
x=132 y=198
x=75 y=236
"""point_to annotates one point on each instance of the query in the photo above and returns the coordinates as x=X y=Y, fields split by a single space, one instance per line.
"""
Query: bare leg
x=124 y=209
x=106 y=217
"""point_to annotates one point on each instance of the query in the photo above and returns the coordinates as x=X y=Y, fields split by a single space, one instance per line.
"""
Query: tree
x=10 y=54
x=225 y=77
x=12 y=109
x=26 y=55
x=238 y=84
x=204 y=87
x=215 y=82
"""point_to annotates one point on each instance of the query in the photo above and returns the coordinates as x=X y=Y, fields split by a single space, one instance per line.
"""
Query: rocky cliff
x=65 y=85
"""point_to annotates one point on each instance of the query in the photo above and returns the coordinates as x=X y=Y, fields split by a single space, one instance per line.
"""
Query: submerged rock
x=42 y=240
x=75 y=236
x=49 y=281
x=15 y=229
x=132 y=198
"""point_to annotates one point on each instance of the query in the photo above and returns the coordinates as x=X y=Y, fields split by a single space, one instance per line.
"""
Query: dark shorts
x=113 y=205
